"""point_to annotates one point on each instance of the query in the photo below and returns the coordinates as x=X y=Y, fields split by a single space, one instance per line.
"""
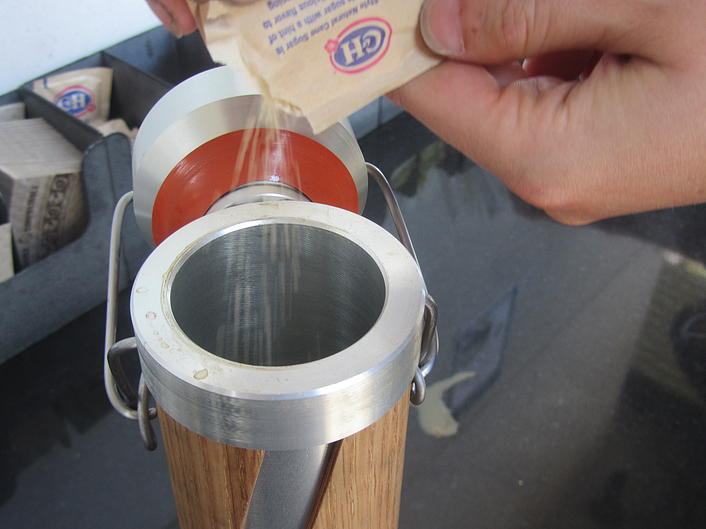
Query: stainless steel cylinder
x=209 y=106
x=278 y=325
x=262 y=320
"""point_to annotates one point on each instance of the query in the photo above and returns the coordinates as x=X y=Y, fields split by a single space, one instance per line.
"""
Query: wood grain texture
x=212 y=482
x=366 y=482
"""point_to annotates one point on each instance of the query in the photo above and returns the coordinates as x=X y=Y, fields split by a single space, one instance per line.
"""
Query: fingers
x=583 y=135
x=581 y=151
x=175 y=15
x=566 y=65
x=496 y=31
x=502 y=126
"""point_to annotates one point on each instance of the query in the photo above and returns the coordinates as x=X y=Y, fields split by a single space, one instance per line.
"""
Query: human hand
x=628 y=136
x=175 y=15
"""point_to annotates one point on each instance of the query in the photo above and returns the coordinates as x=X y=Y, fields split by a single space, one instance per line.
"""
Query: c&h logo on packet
x=360 y=46
x=77 y=100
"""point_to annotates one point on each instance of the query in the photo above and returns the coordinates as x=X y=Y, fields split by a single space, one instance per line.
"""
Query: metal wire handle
x=430 y=335
x=120 y=394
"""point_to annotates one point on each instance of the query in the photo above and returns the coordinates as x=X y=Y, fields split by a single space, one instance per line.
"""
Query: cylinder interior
x=277 y=294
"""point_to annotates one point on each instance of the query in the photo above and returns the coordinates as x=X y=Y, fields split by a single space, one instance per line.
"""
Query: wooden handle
x=213 y=483
x=366 y=482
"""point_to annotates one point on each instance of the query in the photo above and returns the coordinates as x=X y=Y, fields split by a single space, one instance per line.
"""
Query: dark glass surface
x=586 y=405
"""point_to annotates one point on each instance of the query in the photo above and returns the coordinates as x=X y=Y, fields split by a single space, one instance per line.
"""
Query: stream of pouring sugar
x=263 y=302
x=261 y=315
x=265 y=152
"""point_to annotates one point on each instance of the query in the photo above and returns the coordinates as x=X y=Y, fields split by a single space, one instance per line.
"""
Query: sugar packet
x=324 y=59
x=41 y=182
x=84 y=93
x=116 y=125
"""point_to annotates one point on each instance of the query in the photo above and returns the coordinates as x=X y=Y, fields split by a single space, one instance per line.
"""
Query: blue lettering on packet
x=76 y=100
x=360 y=46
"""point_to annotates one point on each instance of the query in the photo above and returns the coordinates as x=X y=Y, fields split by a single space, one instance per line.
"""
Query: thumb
x=497 y=31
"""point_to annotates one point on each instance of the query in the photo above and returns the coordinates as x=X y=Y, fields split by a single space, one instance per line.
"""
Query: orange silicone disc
x=209 y=172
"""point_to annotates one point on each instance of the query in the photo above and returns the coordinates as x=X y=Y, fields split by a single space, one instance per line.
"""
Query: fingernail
x=440 y=23
x=175 y=30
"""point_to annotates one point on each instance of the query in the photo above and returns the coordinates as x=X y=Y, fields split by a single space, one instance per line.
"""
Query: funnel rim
x=283 y=406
